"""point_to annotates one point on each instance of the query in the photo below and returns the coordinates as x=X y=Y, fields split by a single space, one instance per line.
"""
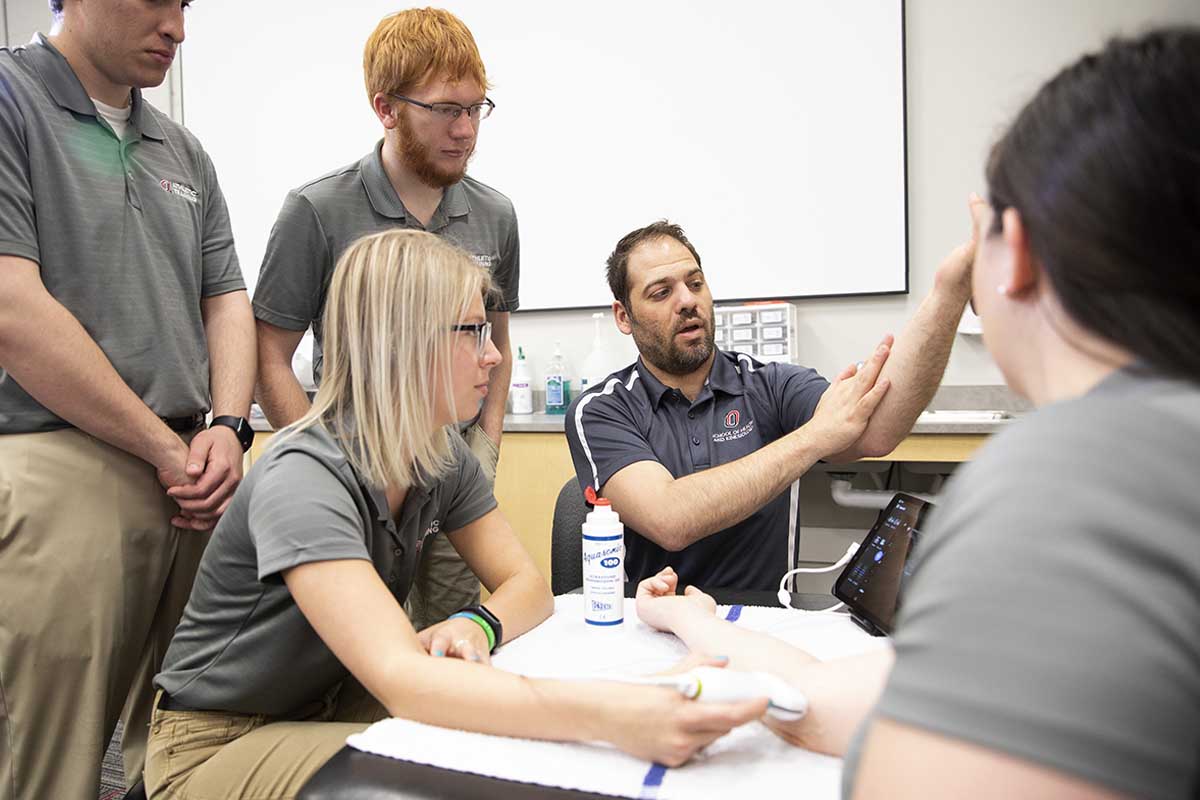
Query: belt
x=184 y=424
x=168 y=703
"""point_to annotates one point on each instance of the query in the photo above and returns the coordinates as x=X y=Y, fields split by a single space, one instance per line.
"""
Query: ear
x=387 y=112
x=1021 y=274
x=622 y=318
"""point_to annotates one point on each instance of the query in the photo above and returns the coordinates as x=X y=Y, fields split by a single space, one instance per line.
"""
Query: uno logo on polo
x=180 y=190
x=733 y=418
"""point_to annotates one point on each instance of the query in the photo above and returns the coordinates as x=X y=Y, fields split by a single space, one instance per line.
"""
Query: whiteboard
x=772 y=131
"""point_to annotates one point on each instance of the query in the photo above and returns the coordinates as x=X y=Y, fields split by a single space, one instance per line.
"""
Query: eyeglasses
x=449 y=112
x=483 y=330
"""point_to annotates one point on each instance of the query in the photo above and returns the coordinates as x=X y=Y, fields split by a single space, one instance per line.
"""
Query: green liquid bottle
x=558 y=385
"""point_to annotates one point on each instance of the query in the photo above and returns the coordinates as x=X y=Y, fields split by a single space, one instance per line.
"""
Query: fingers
x=198 y=454
x=870 y=401
x=720 y=718
x=658 y=585
x=869 y=373
x=439 y=641
x=467 y=651
x=847 y=373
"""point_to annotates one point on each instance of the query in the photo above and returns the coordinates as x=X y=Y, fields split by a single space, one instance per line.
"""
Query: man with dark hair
x=427 y=85
x=123 y=321
x=697 y=447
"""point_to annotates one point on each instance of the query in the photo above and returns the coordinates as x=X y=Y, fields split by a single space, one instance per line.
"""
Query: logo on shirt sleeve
x=180 y=190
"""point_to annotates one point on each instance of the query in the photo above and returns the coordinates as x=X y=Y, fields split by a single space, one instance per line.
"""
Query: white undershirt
x=118 y=118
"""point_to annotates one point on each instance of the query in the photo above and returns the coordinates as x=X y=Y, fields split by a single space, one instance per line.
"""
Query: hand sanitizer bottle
x=603 y=565
x=597 y=364
x=521 y=389
x=558 y=385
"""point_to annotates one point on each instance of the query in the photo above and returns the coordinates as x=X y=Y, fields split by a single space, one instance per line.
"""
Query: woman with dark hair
x=1049 y=640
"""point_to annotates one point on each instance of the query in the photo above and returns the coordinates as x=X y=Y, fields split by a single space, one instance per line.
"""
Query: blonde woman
x=297 y=605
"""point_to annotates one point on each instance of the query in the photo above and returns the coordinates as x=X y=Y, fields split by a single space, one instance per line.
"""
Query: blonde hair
x=388 y=353
x=408 y=47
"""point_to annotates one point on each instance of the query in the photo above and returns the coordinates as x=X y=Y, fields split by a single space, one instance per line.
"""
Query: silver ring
x=460 y=642
x=859 y=365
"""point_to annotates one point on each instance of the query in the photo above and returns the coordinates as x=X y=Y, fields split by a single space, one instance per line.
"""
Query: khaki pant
x=444 y=583
x=213 y=755
x=93 y=578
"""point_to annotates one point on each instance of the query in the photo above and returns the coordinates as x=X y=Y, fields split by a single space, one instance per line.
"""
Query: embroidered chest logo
x=434 y=527
x=180 y=190
x=483 y=259
x=732 y=432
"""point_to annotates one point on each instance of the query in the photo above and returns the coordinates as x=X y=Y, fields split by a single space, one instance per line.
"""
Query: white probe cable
x=786 y=599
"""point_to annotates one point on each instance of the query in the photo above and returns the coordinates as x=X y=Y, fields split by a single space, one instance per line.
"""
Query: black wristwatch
x=240 y=426
x=488 y=617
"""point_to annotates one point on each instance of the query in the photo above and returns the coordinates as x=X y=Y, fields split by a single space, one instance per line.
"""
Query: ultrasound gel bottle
x=603 y=565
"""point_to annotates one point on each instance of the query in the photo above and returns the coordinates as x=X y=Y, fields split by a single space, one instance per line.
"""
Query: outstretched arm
x=921 y=352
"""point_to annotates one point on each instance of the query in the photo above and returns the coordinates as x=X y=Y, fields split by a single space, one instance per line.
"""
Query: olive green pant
x=216 y=755
x=93 y=579
x=444 y=583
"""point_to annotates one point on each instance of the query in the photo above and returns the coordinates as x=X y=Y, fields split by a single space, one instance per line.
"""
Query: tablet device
x=871 y=582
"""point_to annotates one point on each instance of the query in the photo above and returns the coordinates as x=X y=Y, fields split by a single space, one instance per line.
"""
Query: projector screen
x=772 y=132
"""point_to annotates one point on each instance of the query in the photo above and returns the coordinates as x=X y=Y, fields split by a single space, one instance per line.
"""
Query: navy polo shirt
x=744 y=405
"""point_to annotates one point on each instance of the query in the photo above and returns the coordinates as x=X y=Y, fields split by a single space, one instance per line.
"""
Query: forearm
x=703 y=503
x=229 y=329
x=46 y=350
x=491 y=416
x=521 y=602
x=747 y=650
x=841 y=692
x=460 y=694
x=915 y=367
x=280 y=395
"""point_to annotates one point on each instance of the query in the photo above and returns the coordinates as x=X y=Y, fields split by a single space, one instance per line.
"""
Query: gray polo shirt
x=321 y=219
x=243 y=645
x=1054 y=611
x=128 y=235
x=631 y=416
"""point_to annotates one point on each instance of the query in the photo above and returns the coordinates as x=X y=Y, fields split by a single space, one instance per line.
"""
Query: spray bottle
x=597 y=364
x=603 y=564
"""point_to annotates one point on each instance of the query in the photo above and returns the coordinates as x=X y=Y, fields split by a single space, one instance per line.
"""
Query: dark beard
x=668 y=356
x=415 y=156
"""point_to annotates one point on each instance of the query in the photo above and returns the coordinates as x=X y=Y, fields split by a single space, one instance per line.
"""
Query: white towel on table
x=749 y=762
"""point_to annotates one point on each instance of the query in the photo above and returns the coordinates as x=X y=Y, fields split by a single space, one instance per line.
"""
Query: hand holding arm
x=920 y=354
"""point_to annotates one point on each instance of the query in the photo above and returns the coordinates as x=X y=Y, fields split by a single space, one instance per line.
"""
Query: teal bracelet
x=481 y=622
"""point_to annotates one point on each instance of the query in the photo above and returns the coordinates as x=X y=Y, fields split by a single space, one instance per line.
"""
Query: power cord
x=786 y=599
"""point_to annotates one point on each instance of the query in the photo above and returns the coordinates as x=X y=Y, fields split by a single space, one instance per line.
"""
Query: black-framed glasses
x=483 y=330
x=449 y=112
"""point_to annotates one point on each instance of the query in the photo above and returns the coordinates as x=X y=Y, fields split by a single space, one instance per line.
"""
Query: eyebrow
x=691 y=274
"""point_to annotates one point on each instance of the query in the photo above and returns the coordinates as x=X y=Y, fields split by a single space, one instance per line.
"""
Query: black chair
x=566 y=539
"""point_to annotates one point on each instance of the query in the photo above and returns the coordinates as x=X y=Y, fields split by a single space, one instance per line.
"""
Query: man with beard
x=426 y=83
x=697 y=447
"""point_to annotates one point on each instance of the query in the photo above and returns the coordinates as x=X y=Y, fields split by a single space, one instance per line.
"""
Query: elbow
x=667 y=532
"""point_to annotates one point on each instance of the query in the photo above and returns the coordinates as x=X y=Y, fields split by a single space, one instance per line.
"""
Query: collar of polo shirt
x=387 y=203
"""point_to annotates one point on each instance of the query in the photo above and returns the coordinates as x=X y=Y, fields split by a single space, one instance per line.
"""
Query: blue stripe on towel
x=652 y=782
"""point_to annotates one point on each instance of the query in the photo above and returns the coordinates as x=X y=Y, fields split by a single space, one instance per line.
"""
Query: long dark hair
x=1103 y=165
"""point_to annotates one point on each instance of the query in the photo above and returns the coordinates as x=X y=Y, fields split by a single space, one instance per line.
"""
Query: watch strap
x=240 y=426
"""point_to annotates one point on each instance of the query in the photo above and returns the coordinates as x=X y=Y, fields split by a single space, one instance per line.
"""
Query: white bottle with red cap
x=603 y=564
